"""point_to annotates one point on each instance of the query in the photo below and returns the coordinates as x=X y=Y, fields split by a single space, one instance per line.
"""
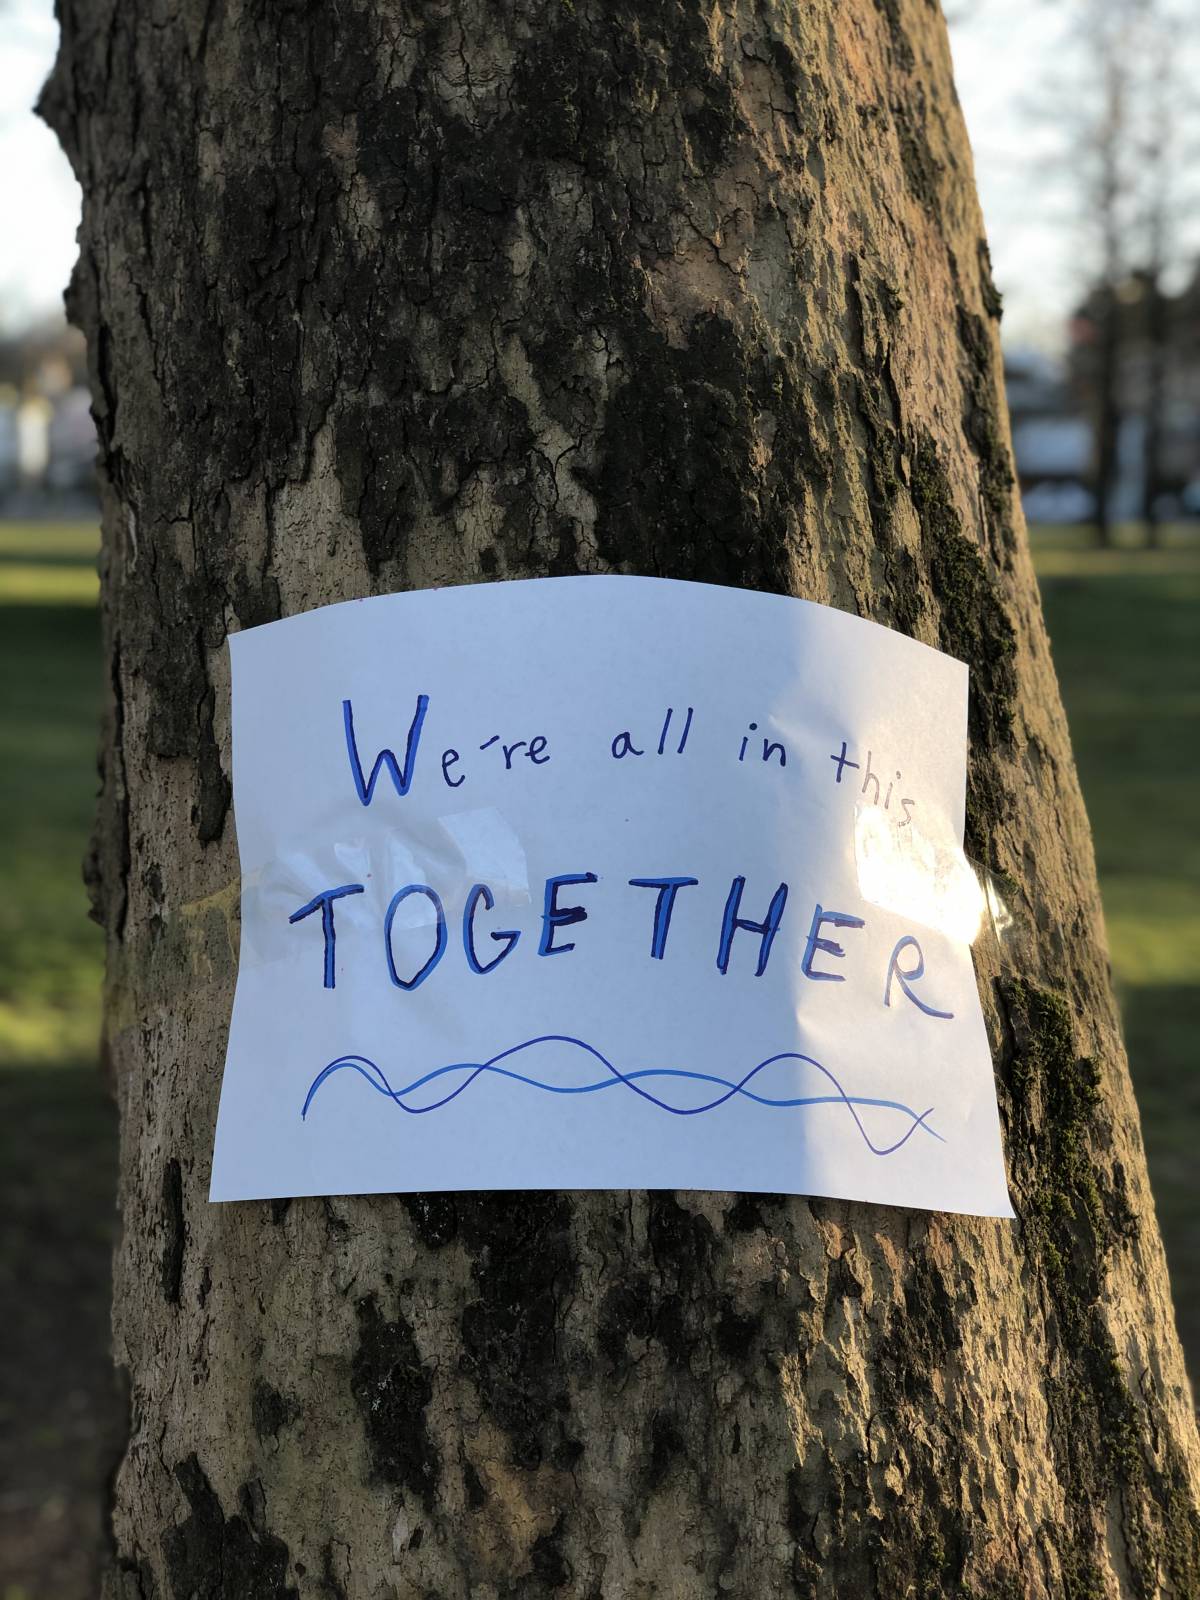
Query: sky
x=39 y=198
x=1025 y=183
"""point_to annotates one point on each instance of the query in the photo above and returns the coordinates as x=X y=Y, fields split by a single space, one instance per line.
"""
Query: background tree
x=1111 y=138
x=1169 y=130
x=1100 y=104
x=1129 y=129
x=387 y=297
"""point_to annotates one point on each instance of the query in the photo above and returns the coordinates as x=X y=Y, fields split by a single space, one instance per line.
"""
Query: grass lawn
x=1126 y=631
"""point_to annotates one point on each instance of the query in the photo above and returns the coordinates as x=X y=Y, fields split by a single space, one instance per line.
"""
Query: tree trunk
x=1158 y=346
x=380 y=298
x=1108 y=416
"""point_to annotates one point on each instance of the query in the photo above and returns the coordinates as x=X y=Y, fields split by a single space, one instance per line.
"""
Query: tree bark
x=380 y=298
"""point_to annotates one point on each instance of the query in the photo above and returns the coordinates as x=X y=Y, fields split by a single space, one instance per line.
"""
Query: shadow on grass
x=1162 y=1025
x=58 y=1399
x=58 y=1405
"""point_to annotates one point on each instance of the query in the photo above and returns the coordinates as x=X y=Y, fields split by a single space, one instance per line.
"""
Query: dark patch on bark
x=214 y=1557
x=522 y=1265
x=130 y=1580
x=800 y=1523
x=664 y=1444
x=682 y=1246
x=735 y=1331
x=127 y=1578
x=872 y=394
x=993 y=302
x=392 y=1387
x=883 y=459
x=434 y=1218
x=745 y=1215
x=547 y=1560
x=923 y=1542
x=214 y=791
x=474 y=1487
x=922 y=170
x=795 y=1518
x=627 y=1311
x=567 y=1454
x=139 y=1572
x=565 y=561
x=675 y=1305
x=984 y=428
x=974 y=627
x=152 y=882
x=375 y=479
x=923 y=1332
x=269 y=1410
x=841 y=1283
x=107 y=862
x=578 y=84
x=331 y=1584
x=679 y=492
x=173 y=1231
x=902 y=55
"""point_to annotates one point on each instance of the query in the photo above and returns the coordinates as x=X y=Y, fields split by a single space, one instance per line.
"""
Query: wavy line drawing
x=378 y=1081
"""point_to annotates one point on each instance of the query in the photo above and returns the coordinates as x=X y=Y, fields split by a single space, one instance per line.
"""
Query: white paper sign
x=603 y=883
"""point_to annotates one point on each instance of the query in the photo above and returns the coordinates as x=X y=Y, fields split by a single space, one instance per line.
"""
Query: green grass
x=44 y=542
x=50 y=954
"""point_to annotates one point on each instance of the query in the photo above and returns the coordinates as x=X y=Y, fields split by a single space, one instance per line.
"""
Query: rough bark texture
x=380 y=297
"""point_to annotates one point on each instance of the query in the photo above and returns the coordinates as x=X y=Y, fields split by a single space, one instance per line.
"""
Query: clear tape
x=928 y=880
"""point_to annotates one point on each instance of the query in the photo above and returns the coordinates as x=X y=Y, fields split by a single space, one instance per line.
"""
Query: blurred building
x=1052 y=441
x=47 y=437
